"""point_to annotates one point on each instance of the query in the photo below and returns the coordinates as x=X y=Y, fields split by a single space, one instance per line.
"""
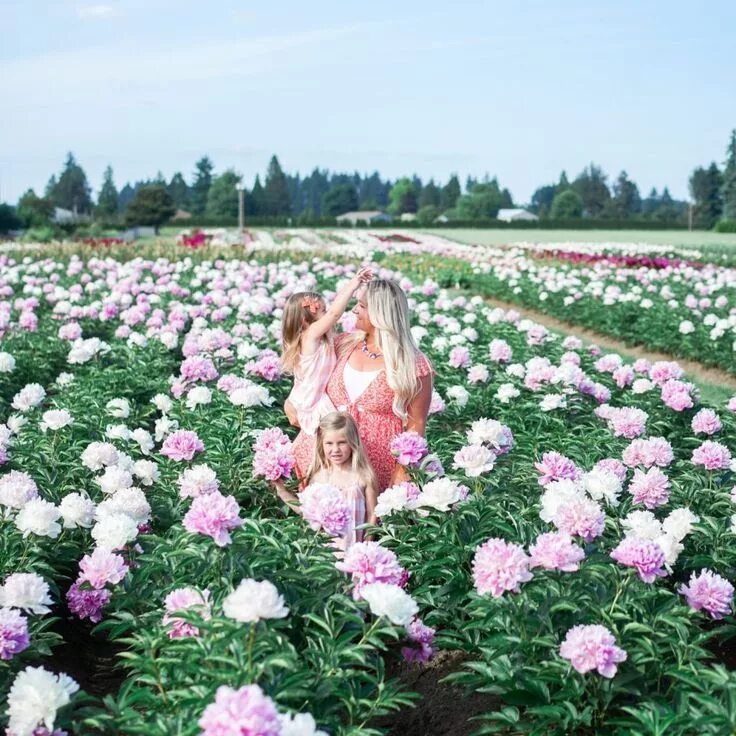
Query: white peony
x=82 y=351
x=474 y=460
x=39 y=517
x=679 y=523
x=392 y=499
x=642 y=525
x=301 y=724
x=516 y=370
x=671 y=548
x=129 y=501
x=144 y=440
x=686 y=327
x=390 y=601
x=163 y=427
x=440 y=494
x=117 y=432
x=27 y=591
x=197 y=396
x=253 y=601
x=251 y=395
x=641 y=386
x=553 y=401
x=35 y=697
x=98 y=454
x=114 y=478
x=146 y=471
x=163 y=403
x=506 y=392
x=7 y=363
x=602 y=484
x=17 y=489
x=77 y=510
x=118 y=408
x=556 y=494
x=64 y=379
x=32 y=394
x=16 y=422
x=459 y=394
x=55 y=419
x=114 y=531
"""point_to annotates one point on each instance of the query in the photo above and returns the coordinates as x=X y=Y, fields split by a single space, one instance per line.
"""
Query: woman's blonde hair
x=388 y=311
x=299 y=311
x=338 y=421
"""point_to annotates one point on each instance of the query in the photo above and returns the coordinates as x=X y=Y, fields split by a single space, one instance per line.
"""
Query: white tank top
x=356 y=382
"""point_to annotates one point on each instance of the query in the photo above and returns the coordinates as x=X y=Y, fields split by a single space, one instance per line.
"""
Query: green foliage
x=276 y=198
x=9 y=219
x=626 y=201
x=430 y=196
x=450 y=193
x=566 y=205
x=34 y=211
x=340 y=199
x=222 y=199
x=483 y=202
x=726 y=226
x=151 y=205
x=107 y=202
x=705 y=190
x=201 y=187
x=179 y=191
x=428 y=214
x=72 y=192
x=593 y=190
x=403 y=197
x=729 y=180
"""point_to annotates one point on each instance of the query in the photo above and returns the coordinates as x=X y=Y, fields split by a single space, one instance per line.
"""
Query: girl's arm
x=291 y=414
x=339 y=304
x=370 y=504
x=286 y=496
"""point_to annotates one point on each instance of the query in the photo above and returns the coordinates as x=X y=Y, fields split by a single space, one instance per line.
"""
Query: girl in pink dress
x=339 y=460
x=308 y=350
x=380 y=379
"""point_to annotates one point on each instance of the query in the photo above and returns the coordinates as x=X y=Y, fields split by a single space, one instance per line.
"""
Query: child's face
x=336 y=447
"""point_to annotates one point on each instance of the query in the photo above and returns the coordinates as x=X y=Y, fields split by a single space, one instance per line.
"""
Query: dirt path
x=694 y=369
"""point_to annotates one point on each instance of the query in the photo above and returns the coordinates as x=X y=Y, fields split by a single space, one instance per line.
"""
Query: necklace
x=370 y=354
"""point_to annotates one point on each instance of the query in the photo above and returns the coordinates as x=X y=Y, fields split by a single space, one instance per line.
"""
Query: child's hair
x=300 y=310
x=338 y=421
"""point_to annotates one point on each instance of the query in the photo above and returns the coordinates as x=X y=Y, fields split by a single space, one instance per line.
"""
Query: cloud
x=94 y=11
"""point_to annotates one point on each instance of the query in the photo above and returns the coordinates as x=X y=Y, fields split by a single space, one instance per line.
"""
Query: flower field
x=578 y=546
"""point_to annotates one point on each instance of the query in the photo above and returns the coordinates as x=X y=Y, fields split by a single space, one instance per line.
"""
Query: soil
x=444 y=709
x=695 y=369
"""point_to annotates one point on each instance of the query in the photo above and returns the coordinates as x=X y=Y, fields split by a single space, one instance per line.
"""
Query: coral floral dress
x=373 y=413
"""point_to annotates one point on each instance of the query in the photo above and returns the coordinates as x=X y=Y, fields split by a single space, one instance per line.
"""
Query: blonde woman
x=381 y=379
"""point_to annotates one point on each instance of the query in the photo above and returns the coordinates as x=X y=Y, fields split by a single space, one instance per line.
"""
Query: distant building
x=368 y=217
x=408 y=217
x=141 y=231
x=515 y=215
x=442 y=218
x=63 y=217
x=182 y=215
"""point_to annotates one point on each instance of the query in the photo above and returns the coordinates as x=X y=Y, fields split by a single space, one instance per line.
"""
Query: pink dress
x=354 y=494
x=308 y=396
x=372 y=412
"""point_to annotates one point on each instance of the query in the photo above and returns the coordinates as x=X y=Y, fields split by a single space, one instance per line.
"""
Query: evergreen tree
x=9 y=220
x=339 y=200
x=255 y=205
x=650 y=203
x=729 y=180
x=563 y=184
x=542 y=200
x=314 y=188
x=151 y=205
x=276 y=192
x=34 y=211
x=222 y=198
x=567 y=205
x=50 y=186
x=373 y=194
x=626 y=201
x=72 y=192
x=482 y=203
x=429 y=196
x=201 y=186
x=179 y=191
x=593 y=190
x=403 y=197
x=296 y=196
x=125 y=197
x=705 y=190
x=107 y=201
x=450 y=193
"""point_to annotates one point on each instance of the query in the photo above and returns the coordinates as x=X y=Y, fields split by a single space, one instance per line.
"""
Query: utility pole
x=690 y=216
x=241 y=207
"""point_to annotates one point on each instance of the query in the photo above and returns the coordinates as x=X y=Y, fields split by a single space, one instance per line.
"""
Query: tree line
x=322 y=195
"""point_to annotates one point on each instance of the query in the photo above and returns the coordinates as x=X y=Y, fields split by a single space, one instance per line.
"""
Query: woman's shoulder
x=424 y=366
x=343 y=341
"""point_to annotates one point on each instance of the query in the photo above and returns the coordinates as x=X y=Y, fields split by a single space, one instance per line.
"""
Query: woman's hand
x=291 y=414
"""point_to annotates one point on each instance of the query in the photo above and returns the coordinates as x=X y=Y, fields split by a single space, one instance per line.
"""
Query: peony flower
x=644 y=555
x=182 y=444
x=554 y=466
x=199 y=480
x=397 y=498
x=39 y=517
x=555 y=551
x=654 y=451
x=323 y=507
x=421 y=638
x=603 y=484
x=506 y=392
x=87 y=603
x=368 y=562
x=17 y=489
x=146 y=471
x=31 y=395
x=409 y=448
x=706 y=421
x=214 y=515
x=474 y=460
x=712 y=456
x=301 y=724
x=114 y=531
x=99 y=454
x=679 y=523
x=642 y=525
x=183 y=599
x=102 y=567
x=115 y=478
x=243 y=712
x=492 y=433
x=254 y=601
x=499 y=566
x=118 y=408
x=34 y=699
x=709 y=592
x=592 y=647
x=55 y=419
x=27 y=591
x=580 y=517
x=651 y=488
x=458 y=394
x=386 y=599
x=440 y=494
x=251 y=395
x=7 y=363
x=14 y=636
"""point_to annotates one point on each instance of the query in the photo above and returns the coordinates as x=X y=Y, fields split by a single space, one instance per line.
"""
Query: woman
x=381 y=379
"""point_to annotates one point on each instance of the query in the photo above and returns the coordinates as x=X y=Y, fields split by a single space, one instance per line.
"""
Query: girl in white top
x=308 y=351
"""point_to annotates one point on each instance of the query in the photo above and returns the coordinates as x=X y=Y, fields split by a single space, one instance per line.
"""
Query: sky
x=518 y=90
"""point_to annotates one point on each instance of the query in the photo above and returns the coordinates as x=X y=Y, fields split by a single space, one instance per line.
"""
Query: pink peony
x=268 y=366
x=651 y=488
x=709 y=592
x=197 y=368
x=421 y=638
x=409 y=448
x=644 y=555
x=677 y=395
x=627 y=422
x=182 y=599
x=712 y=456
x=84 y=603
x=214 y=515
x=273 y=455
x=592 y=647
x=324 y=507
x=102 y=567
x=459 y=357
x=663 y=371
x=500 y=351
x=556 y=551
x=554 y=466
x=499 y=566
x=706 y=421
x=14 y=637
x=654 y=451
x=611 y=465
x=243 y=712
x=580 y=517
x=182 y=445
x=368 y=562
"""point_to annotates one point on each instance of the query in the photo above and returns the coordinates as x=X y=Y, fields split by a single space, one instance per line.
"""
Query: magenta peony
x=213 y=515
x=644 y=555
x=709 y=592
